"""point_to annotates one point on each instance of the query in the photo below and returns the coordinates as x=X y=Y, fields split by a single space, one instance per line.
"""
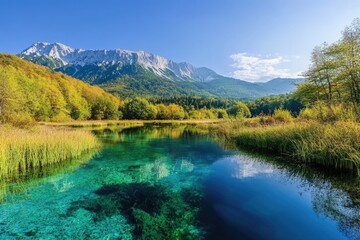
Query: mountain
x=282 y=85
x=37 y=92
x=128 y=73
x=73 y=60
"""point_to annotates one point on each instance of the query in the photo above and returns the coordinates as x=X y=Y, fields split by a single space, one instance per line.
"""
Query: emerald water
x=168 y=182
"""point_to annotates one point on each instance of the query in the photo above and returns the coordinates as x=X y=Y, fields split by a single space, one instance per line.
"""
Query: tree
x=239 y=110
x=333 y=78
x=11 y=97
x=139 y=108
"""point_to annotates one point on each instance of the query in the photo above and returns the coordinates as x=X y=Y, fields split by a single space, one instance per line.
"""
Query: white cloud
x=259 y=68
x=247 y=167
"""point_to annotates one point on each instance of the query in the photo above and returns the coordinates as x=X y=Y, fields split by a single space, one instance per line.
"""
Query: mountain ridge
x=127 y=73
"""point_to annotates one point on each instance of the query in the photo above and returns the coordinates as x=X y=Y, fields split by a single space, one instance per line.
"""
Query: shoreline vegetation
x=26 y=150
x=330 y=145
x=46 y=144
x=318 y=123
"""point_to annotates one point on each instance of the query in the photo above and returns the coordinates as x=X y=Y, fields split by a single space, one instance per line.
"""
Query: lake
x=170 y=182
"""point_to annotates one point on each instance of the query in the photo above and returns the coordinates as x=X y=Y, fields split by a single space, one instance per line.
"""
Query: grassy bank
x=335 y=145
x=122 y=123
x=24 y=149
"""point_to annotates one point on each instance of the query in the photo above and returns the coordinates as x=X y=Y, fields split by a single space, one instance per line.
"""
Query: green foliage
x=44 y=61
x=239 y=110
x=225 y=87
x=194 y=102
x=221 y=113
x=203 y=114
x=282 y=116
x=267 y=105
x=127 y=81
x=319 y=112
x=37 y=93
x=172 y=112
x=333 y=78
x=139 y=108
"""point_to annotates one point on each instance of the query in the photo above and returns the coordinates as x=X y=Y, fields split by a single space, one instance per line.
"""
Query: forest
x=29 y=93
x=32 y=93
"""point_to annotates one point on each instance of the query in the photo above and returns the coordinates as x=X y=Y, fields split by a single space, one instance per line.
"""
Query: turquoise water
x=171 y=183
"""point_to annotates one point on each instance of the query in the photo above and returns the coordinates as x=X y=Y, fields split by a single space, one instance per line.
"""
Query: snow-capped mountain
x=80 y=57
x=128 y=73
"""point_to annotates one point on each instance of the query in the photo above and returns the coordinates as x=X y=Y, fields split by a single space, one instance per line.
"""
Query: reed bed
x=22 y=150
x=335 y=145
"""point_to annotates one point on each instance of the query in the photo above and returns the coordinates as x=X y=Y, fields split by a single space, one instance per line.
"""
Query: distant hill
x=128 y=73
x=282 y=85
x=30 y=90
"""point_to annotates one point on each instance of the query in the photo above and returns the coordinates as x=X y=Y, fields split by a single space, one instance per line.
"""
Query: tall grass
x=22 y=150
x=335 y=145
x=332 y=145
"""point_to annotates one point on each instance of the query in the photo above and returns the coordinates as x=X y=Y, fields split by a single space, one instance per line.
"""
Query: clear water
x=171 y=183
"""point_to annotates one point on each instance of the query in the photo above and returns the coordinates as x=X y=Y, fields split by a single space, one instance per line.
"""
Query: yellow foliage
x=42 y=94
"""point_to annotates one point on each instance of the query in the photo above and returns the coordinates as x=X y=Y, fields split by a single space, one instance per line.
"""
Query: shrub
x=172 y=112
x=332 y=113
x=139 y=108
x=221 y=113
x=282 y=116
x=19 y=120
x=308 y=114
x=239 y=110
x=267 y=120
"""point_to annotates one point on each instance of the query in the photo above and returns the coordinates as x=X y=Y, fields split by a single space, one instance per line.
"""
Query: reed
x=22 y=150
x=334 y=145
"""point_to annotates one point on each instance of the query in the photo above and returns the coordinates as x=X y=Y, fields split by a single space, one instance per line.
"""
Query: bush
x=282 y=116
x=221 y=113
x=171 y=112
x=267 y=120
x=203 y=114
x=19 y=120
x=239 y=110
x=139 y=108
x=308 y=114
x=334 y=113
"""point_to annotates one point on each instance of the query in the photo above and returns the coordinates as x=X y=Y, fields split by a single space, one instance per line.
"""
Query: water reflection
x=246 y=167
x=331 y=196
x=21 y=183
x=179 y=182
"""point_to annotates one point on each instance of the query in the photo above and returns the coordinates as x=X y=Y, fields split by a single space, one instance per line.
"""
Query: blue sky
x=253 y=40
